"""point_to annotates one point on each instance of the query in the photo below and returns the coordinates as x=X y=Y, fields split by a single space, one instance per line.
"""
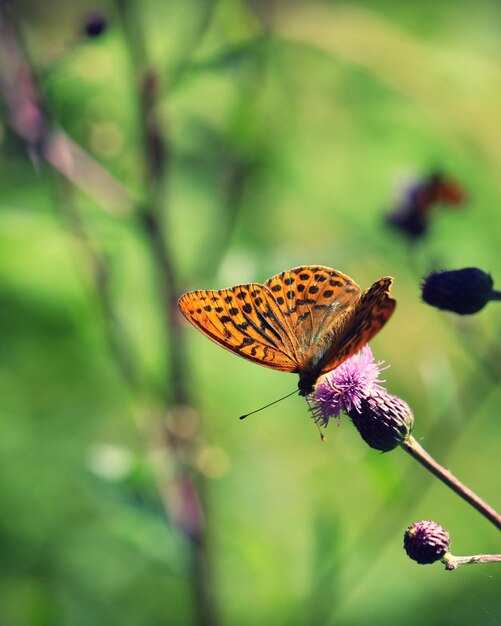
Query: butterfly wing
x=245 y=320
x=306 y=320
x=313 y=299
x=369 y=315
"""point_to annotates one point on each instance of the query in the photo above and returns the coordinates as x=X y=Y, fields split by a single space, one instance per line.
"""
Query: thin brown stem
x=453 y=562
x=411 y=446
x=190 y=513
x=155 y=149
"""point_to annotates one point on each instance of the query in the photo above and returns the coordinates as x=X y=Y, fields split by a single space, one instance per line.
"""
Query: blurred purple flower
x=413 y=212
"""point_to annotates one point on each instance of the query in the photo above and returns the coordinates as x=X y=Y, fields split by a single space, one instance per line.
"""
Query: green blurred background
x=227 y=141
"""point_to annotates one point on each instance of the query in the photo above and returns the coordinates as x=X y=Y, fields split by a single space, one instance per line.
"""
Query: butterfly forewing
x=370 y=314
x=312 y=298
x=246 y=321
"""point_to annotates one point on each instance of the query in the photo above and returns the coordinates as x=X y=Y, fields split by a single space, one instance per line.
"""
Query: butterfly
x=307 y=320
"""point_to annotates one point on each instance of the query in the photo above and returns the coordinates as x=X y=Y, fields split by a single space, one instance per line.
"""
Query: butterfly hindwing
x=244 y=320
x=369 y=315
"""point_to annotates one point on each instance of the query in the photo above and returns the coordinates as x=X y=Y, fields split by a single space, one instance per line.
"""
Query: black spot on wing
x=303 y=301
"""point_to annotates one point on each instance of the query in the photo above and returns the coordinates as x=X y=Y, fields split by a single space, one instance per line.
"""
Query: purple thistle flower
x=343 y=389
x=384 y=421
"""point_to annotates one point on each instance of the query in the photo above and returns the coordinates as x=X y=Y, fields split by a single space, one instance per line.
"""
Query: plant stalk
x=411 y=446
x=453 y=562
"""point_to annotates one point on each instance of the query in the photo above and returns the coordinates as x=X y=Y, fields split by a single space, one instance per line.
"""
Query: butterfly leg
x=316 y=416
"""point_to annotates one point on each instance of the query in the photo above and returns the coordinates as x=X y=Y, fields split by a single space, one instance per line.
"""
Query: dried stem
x=28 y=117
x=411 y=446
x=189 y=514
x=453 y=562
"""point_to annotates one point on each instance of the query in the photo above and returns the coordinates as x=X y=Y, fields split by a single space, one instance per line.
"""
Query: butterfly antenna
x=270 y=404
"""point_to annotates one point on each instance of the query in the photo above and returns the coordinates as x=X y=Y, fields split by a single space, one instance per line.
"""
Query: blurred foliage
x=292 y=128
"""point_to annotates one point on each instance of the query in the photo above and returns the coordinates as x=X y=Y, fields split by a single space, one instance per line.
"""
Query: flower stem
x=411 y=446
x=453 y=562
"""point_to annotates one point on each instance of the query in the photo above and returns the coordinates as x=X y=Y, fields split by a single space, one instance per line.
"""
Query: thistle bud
x=426 y=542
x=95 y=24
x=384 y=421
x=463 y=291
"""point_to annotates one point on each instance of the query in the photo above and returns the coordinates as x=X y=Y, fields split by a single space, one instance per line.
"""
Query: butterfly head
x=306 y=383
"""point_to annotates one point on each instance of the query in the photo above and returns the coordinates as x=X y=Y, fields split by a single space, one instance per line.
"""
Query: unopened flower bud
x=462 y=291
x=95 y=24
x=426 y=542
x=384 y=421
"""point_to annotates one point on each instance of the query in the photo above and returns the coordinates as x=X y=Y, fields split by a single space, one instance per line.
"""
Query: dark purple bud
x=464 y=291
x=384 y=421
x=95 y=24
x=426 y=542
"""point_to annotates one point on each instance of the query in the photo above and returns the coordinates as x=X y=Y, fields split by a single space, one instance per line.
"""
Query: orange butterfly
x=307 y=320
